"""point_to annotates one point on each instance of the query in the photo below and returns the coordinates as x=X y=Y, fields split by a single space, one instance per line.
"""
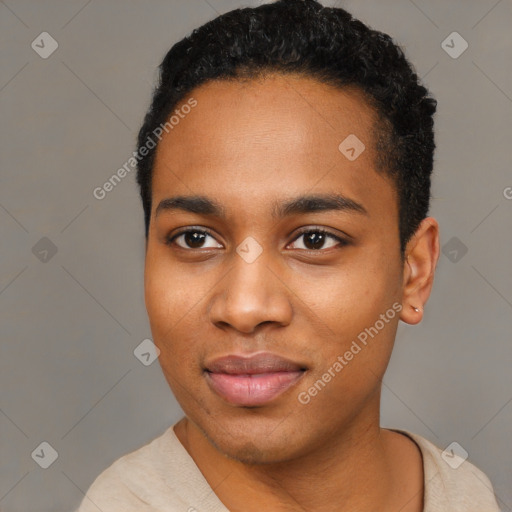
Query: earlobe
x=413 y=317
x=422 y=254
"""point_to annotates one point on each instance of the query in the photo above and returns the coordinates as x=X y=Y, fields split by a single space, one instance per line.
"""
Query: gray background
x=70 y=321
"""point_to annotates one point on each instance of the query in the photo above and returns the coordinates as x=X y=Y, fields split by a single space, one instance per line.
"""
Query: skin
x=248 y=145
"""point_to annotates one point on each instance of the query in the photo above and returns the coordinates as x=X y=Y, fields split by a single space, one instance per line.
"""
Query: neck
x=364 y=467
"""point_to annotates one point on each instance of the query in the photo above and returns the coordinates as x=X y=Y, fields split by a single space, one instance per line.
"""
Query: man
x=284 y=171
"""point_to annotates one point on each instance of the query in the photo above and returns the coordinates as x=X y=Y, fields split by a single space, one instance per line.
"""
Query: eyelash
x=342 y=242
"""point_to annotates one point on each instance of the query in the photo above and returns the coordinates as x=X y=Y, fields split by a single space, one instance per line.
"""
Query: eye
x=315 y=239
x=192 y=239
x=312 y=240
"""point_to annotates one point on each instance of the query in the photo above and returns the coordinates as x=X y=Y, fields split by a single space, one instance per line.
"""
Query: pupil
x=194 y=239
x=314 y=240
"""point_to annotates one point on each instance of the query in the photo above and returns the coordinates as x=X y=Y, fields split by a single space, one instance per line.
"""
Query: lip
x=252 y=380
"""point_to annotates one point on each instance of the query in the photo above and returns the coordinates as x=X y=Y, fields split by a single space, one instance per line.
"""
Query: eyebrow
x=203 y=205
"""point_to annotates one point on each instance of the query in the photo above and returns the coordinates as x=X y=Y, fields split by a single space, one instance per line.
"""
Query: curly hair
x=329 y=45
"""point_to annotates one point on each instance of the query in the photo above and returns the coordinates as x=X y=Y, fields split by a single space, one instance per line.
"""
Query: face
x=274 y=297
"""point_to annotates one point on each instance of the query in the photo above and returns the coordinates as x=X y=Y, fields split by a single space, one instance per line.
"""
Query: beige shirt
x=162 y=477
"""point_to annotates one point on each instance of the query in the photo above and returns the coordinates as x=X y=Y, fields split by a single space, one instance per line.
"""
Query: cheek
x=168 y=306
x=351 y=296
x=171 y=301
x=350 y=367
x=169 y=293
x=357 y=306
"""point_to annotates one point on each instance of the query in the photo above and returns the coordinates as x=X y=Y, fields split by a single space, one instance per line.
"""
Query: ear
x=421 y=257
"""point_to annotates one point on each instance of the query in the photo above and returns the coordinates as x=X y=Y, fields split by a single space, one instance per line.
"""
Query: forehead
x=280 y=133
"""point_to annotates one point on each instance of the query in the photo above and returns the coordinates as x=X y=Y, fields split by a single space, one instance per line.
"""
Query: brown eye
x=193 y=239
x=316 y=239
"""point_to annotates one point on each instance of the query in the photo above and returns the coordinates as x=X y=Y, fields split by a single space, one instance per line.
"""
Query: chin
x=255 y=440
x=253 y=452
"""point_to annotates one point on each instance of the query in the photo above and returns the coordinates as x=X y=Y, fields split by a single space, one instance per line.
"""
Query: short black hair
x=324 y=43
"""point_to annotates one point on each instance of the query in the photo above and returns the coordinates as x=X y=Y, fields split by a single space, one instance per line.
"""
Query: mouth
x=252 y=380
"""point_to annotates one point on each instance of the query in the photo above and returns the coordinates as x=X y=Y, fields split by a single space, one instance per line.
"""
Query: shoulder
x=139 y=478
x=452 y=483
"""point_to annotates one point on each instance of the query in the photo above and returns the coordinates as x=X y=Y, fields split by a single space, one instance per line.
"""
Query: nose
x=250 y=294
